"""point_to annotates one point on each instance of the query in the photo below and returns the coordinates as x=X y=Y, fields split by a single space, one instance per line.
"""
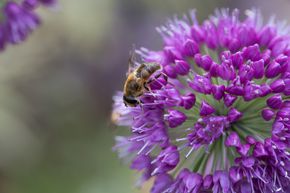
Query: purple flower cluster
x=19 y=20
x=221 y=121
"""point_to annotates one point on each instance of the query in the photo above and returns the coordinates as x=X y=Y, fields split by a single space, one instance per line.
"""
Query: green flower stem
x=258 y=125
x=187 y=162
x=214 y=161
x=216 y=156
x=258 y=136
x=219 y=155
x=212 y=53
x=251 y=117
x=238 y=103
x=261 y=81
x=208 y=154
x=258 y=133
x=204 y=161
x=198 y=101
x=223 y=152
x=223 y=109
x=215 y=80
x=255 y=108
x=240 y=132
x=183 y=81
x=198 y=159
x=245 y=108
x=196 y=68
x=231 y=154
x=191 y=118
x=177 y=169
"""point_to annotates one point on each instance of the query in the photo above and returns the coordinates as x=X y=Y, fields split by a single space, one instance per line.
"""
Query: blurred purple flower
x=221 y=122
x=19 y=20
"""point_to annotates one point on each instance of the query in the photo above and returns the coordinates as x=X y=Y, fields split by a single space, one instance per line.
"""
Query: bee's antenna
x=141 y=106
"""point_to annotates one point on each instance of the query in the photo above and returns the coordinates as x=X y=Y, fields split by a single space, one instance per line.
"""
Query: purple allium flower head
x=220 y=121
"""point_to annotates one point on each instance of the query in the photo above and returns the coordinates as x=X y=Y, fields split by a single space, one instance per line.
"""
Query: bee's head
x=130 y=101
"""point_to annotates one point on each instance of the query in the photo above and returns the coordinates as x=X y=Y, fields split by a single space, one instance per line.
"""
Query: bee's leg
x=148 y=89
x=141 y=105
x=157 y=76
x=164 y=75
x=166 y=78
x=156 y=79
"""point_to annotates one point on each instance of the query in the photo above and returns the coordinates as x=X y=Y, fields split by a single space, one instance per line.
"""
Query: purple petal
x=278 y=86
x=234 y=115
x=188 y=101
x=218 y=91
x=175 y=118
x=275 y=102
x=233 y=140
x=206 y=109
x=248 y=162
x=182 y=67
x=229 y=99
x=201 y=84
x=267 y=114
x=273 y=70
x=203 y=61
x=259 y=150
x=243 y=149
x=170 y=71
x=190 y=48
x=258 y=68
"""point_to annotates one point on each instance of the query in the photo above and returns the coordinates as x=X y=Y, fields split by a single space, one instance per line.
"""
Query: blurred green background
x=56 y=90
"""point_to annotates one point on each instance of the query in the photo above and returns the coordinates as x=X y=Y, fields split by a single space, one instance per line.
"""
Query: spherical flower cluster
x=18 y=20
x=220 y=122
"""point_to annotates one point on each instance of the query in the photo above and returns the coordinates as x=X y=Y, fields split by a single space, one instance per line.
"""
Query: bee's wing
x=132 y=61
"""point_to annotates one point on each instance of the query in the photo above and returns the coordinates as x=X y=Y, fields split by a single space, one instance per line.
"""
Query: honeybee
x=137 y=82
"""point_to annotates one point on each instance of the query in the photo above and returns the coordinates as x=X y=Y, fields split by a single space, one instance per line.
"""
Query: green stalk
x=216 y=156
x=251 y=117
x=199 y=159
x=257 y=133
x=223 y=151
x=241 y=133
x=252 y=105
